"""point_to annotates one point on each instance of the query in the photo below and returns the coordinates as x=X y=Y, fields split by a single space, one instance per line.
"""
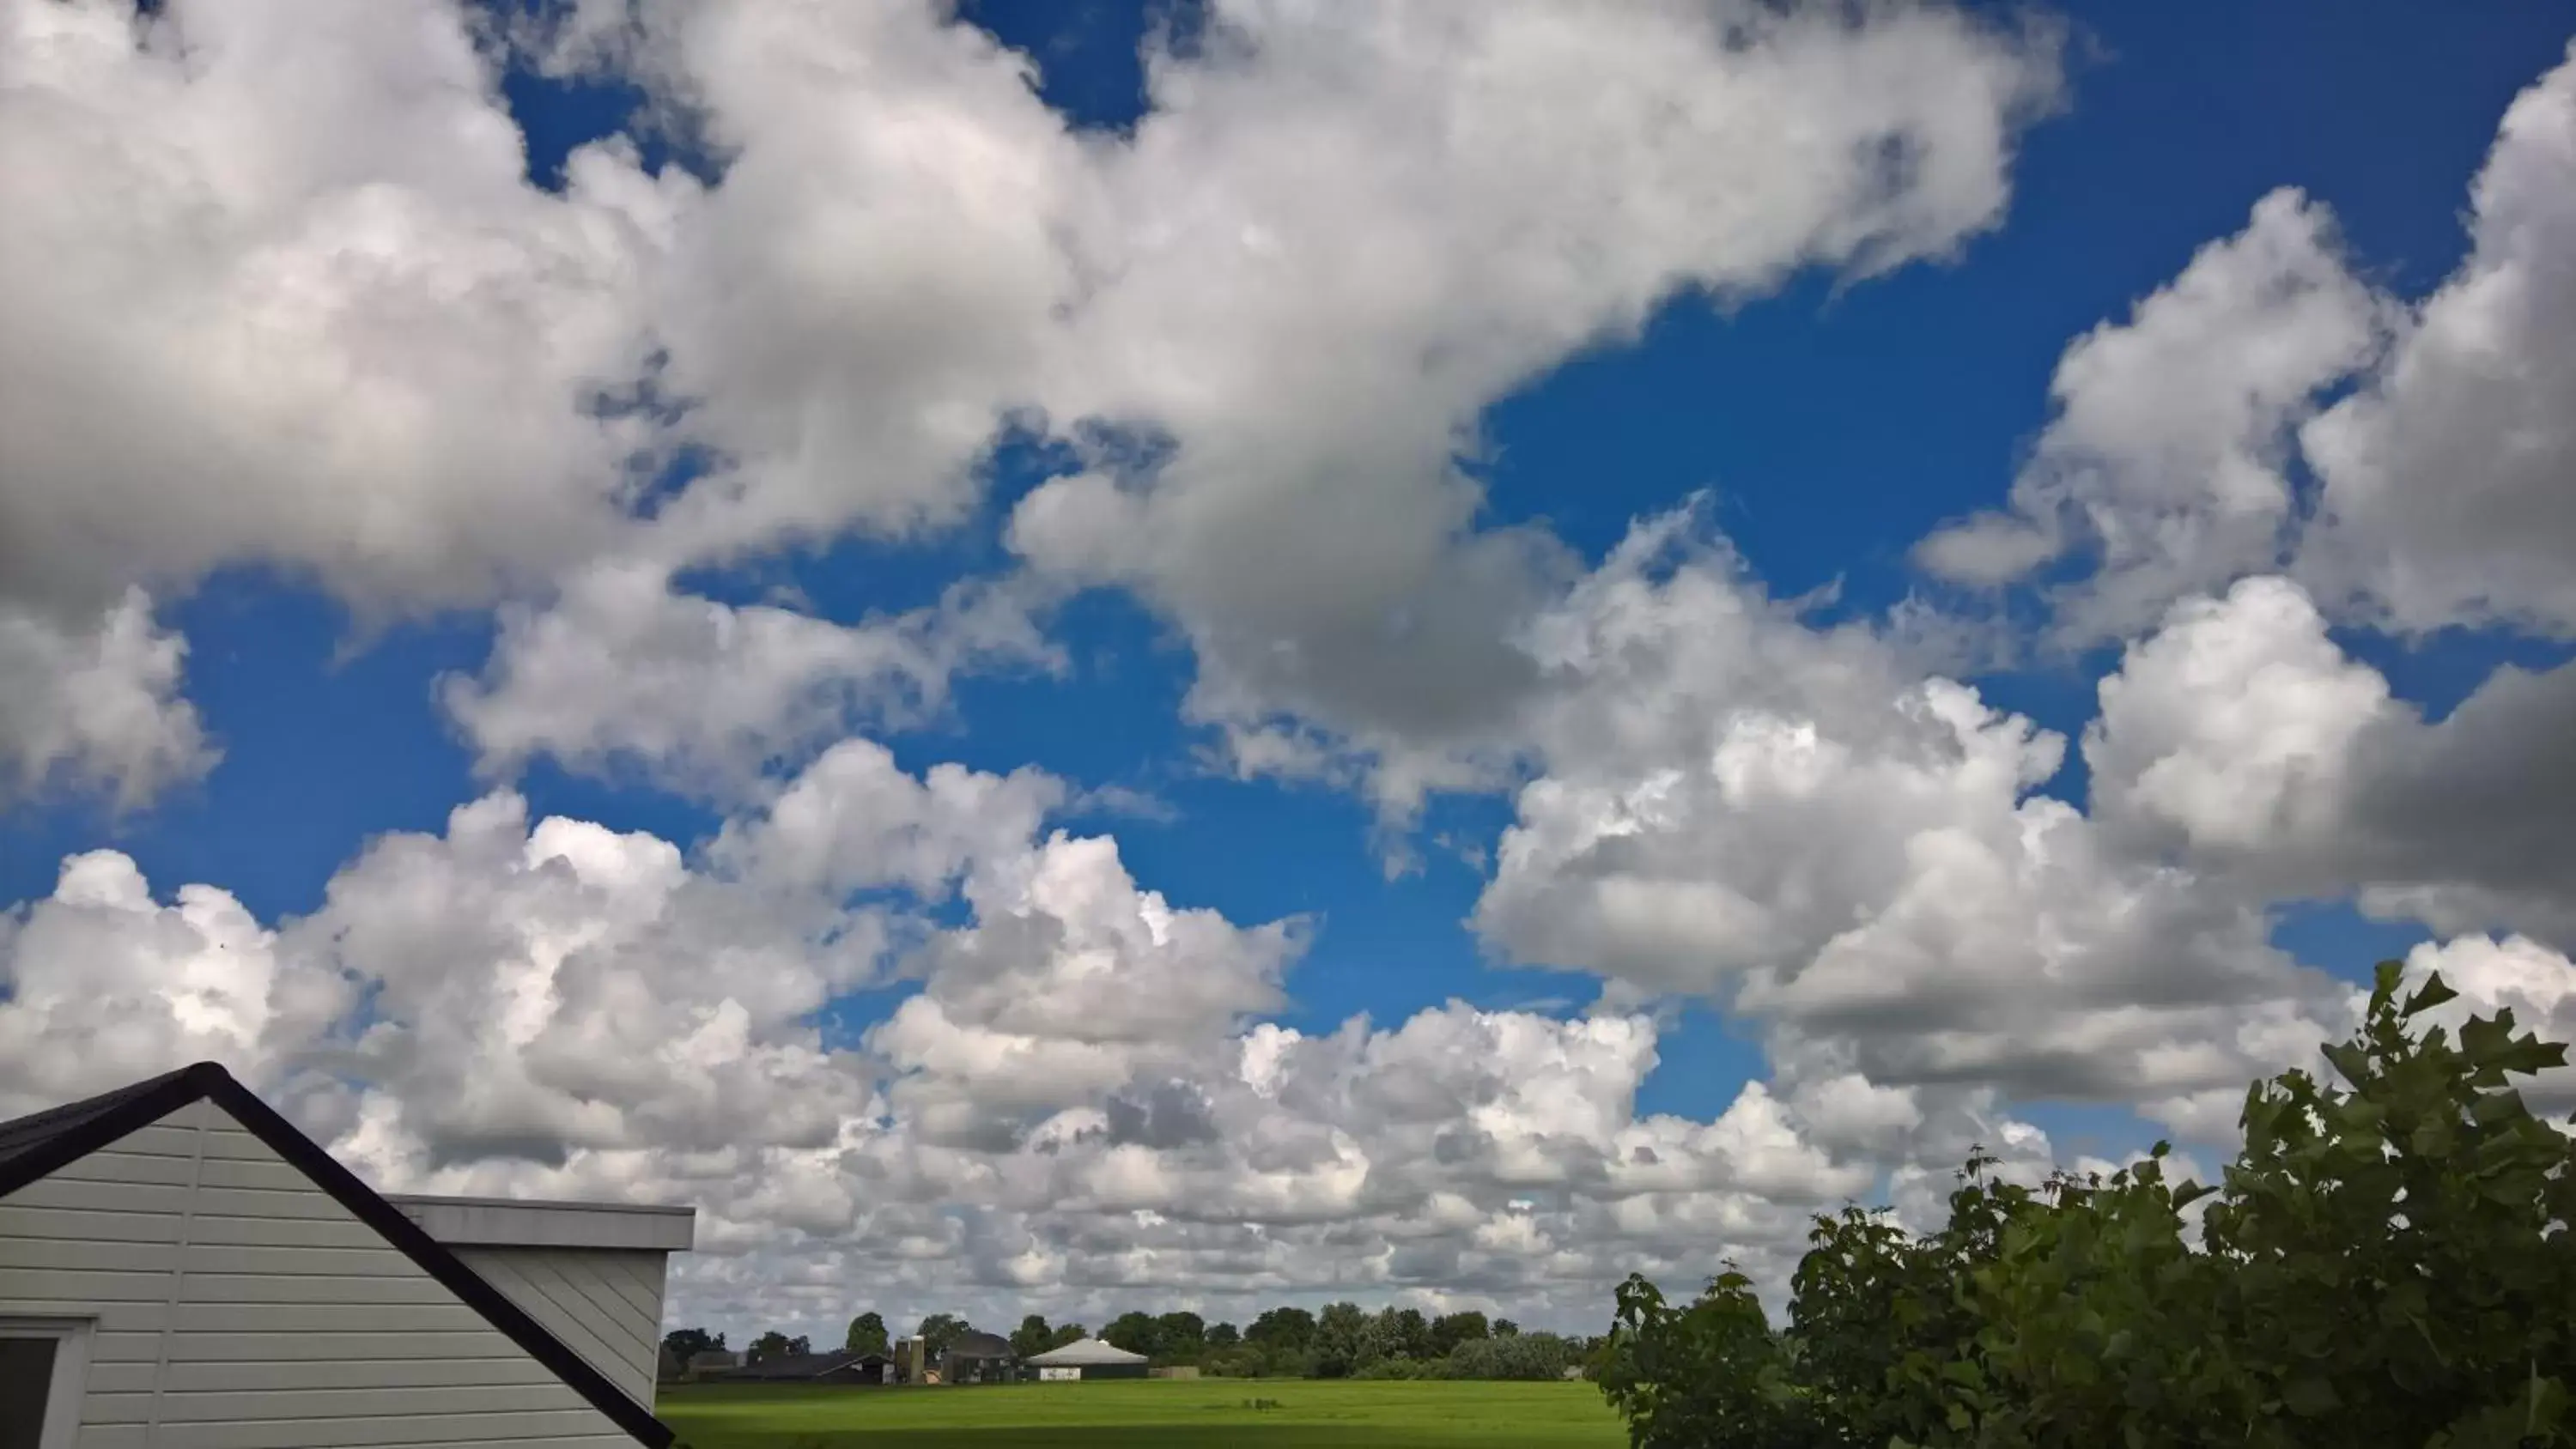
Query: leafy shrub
x=1528 y=1356
x=2388 y=1262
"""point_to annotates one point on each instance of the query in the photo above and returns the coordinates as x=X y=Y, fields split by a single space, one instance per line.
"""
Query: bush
x=2386 y=1263
x=1528 y=1356
x=1396 y=1368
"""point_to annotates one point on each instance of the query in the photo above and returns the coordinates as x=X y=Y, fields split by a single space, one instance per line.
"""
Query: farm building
x=809 y=1368
x=179 y=1266
x=978 y=1358
x=1087 y=1358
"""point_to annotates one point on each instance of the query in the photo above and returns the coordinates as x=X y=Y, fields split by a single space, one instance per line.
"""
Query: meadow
x=1155 y=1414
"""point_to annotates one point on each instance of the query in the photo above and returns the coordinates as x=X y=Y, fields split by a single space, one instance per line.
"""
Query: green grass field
x=1200 y=1414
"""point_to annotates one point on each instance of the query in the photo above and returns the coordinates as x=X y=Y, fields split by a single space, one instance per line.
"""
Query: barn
x=978 y=1358
x=1087 y=1358
x=179 y=1266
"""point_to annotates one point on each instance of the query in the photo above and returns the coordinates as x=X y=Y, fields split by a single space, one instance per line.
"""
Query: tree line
x=2386 y=1262
x=1343 y=1340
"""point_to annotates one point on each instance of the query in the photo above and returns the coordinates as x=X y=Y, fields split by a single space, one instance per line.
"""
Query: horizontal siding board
x=84 y=1225
x=348 y=1288
x=236 y=1143
x=271 y=1260
x=68 y=1194
x=116 y=1406
x=305 y=1347
x=225 y=1230
x=330 y=1318
x=86 y=1285
x=354 y=1372
x=354 y=1433
x=114 y=1166
x=120 y=1378
x=272 y=1175
x=373 y=1401
x=115 y=1348
x=294 y=1205
x=114 y=1436
x=28 y=1252
x=112 y=1317
x=165 y=1138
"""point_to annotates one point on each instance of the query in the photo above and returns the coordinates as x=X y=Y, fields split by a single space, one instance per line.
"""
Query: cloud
x=278 y=293
x=2190 y=447
x=2167 y=459
x=1084 y=1098
x=2240 y=738
x=106 y=985
x=97 y=705
x=713 y=697
x=2445 y=474
x=1794 y=822
x=1332 y=241
x=865 y=297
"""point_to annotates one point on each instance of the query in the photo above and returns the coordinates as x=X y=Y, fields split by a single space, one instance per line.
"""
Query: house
x=1087 y=1358
x=978 y=1358
x=809 y=1368
x=180 y=1265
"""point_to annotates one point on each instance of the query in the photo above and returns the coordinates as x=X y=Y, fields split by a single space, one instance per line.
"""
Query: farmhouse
x=1087 y=1358
x=180 y=1266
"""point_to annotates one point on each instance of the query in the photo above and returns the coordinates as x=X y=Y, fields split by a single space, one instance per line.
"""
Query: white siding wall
x=239 y=1306
x=604 y=1303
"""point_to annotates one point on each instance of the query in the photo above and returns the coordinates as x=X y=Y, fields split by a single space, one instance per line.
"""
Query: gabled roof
x=35 y=1147
x=1085 y=1351
x=796 y=1365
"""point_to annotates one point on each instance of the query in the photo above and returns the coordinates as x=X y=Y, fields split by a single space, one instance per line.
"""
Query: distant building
x=1087 y=1358
x=709 y=1362
x=978 y=1358
x=808 y=1368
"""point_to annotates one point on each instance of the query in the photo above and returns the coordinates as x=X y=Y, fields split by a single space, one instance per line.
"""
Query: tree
x=867 y=1334
x=1397 y=1333
x=937 y=1332
x=1180 y=1337
x=1032 y=1337
x=1452 y=1329
x=1067 y=1333
x=1136 y=1333
x=2386 y=1262
x=688 y=1343
x=775 y=1344
x=1523 y=1356
x=1282 y=1328
x=1505 y=1328
x=1337 y=1344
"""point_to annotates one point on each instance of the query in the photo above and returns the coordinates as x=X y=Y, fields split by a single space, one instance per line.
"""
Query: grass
x=1152 y=1414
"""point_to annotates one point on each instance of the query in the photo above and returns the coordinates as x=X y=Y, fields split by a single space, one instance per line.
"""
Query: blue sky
x=1832 y=422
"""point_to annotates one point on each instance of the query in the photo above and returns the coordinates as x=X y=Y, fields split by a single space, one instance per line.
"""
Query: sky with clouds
x=1069 y=658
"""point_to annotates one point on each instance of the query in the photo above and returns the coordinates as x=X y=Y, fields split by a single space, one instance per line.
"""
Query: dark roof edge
x=149 y=1102
x=208 y=1080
